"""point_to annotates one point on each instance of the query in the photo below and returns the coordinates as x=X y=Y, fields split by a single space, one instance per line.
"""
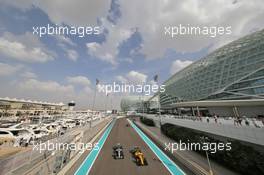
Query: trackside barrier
x=191 y=165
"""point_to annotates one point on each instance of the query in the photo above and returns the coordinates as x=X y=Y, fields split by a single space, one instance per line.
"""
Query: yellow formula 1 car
x=138 y=157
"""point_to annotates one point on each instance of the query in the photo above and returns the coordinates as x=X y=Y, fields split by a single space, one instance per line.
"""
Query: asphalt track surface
x=105 y=164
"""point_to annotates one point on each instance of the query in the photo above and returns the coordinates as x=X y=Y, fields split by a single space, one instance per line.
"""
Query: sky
x=130 y=47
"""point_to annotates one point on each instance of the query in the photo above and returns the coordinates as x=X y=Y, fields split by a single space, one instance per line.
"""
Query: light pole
x=111 y=103
x=142 y=101
x=106 y=103
x=209 y=164
x=97 y=82
x=159 y=108
x=207 y=157
x=143 y=106
x=156 y=77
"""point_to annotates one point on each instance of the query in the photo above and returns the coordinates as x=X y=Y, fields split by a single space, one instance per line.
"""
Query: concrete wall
x=244 y=133
x=252 y=111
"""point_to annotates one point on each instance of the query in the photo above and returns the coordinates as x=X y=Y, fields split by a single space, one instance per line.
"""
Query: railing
x=223 y=127
x=26 y=161
x=190 y=165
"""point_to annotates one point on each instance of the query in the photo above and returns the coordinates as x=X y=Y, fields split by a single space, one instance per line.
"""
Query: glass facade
x=234 y=71
x=131 y=103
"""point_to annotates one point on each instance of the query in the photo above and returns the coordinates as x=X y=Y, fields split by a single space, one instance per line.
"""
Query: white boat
x=51 y=128
x=20 y=137
x=70 y=123
x=6 y=137
x=40 y=133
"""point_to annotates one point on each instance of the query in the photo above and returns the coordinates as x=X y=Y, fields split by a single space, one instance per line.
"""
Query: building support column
x=198 y=111
x=179 y=111
x=192 y=111
x=235 y=111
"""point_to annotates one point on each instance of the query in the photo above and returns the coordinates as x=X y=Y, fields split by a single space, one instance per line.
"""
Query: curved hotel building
x=232 y=75
x=227 y=82
x=235 y=71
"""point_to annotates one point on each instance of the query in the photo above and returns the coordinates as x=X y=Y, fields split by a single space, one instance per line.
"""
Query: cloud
x=72 y=54
x=121 y=79
x=29 y=75
x=88 y=90
x=25 y=48
x=152 y=82
x=242 y=17
x=178 y=65
x=132 y=77
x=53 y=91
x=78 y=12
x=96 y=50
x=44 y=90
x=79 y=80
x=63 y=39
x=65 y=43
x=21 y=4
x=193 y=12
x=114 y=12
x=149 y=21
x=46 y=86
x=6 y=69
x=108 y=50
